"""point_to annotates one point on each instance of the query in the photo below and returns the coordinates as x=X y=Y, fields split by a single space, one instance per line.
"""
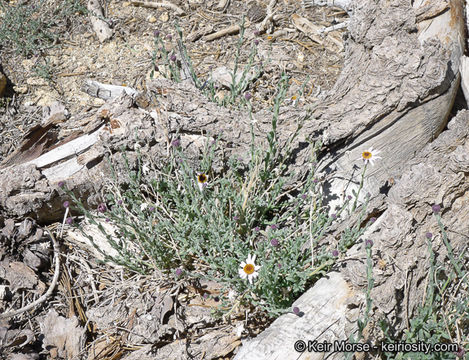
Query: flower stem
x=360 y=188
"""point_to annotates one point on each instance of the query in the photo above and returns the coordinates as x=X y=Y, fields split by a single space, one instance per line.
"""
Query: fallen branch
x=163 y=4
x=231 y=30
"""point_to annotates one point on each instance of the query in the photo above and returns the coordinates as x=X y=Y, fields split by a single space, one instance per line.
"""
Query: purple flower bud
x=436 y=208
x=335 y=253
x=257 y=229
x=176 y=143
x=428 y=235
x=66 y=204
x=178 y=272
x=119 y=202
x=315 y=181
x=248 y=96
x=274 y=242
x=236 y=218
x=151 y=208
x=156 y=33
x=61 y=184
x=107 y=219
x=169 y=37
x=369 y=243
x=349 y=197
x=279 y=265
x=256 y=33
x=372 y=220
x=296 y=310
x=304 y=196
x=69 y=221
x=333 y=216
x=256 y=42
x=173 y=57
x=274 y=227
x=102 y=207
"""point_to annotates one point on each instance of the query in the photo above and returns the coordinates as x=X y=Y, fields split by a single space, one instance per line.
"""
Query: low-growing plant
x=175 y=62
x=241 y=227
x=28 y=26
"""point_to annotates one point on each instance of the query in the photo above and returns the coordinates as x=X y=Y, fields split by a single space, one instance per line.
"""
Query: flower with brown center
x=202 y=180
x=249 y=270
x=370 y=155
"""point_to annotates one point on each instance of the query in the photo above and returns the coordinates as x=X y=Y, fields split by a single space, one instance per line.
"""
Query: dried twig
x=51 y=287
x=156 y=5
x=328 y=29
x=268 y=18
x=231 y=30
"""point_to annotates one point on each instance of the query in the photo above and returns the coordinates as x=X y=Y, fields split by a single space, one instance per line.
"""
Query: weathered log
x=395 y=91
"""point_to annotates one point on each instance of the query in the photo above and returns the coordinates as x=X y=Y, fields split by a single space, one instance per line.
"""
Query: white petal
x=243 y=264
x=239 y=330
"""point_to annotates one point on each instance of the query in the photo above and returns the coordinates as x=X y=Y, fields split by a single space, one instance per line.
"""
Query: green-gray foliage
x=29 y=27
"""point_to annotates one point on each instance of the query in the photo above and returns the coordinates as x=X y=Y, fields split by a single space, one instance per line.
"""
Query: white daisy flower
x=370 y=156
x=249 y=269
x=202 y=181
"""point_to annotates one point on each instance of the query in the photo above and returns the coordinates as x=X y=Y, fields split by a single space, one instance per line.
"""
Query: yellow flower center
x=248 y=269
x=202 y=178
x=366 y=155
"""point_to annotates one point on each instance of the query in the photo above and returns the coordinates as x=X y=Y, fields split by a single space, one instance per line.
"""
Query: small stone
x=164 y=17
x=152 y=19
